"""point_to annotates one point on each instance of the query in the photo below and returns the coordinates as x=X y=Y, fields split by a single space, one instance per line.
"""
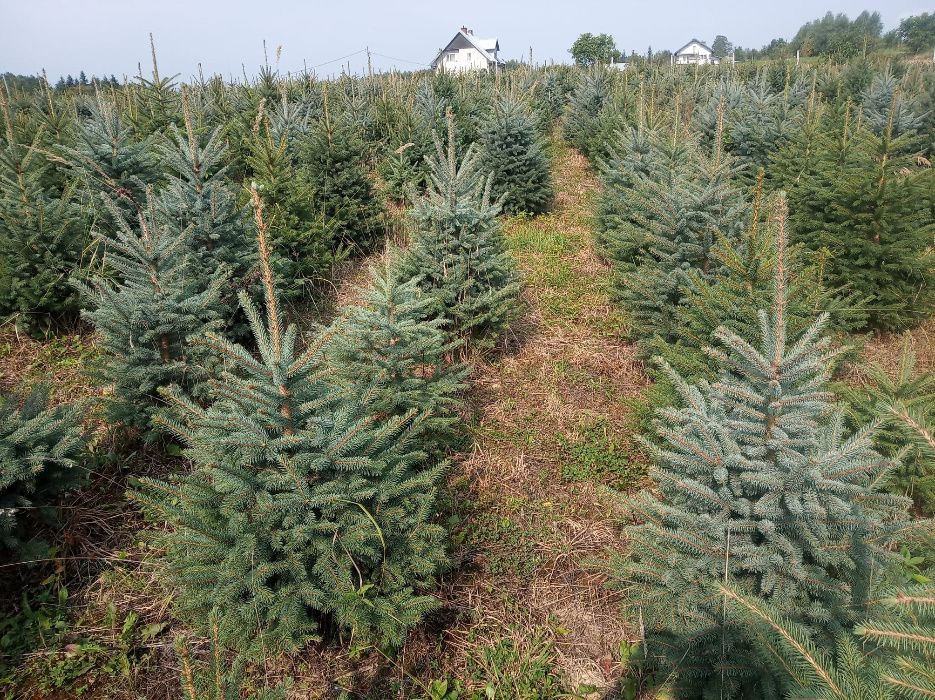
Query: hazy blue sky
x=110 y=36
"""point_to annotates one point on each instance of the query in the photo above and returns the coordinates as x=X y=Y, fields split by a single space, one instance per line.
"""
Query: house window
x=450 y=57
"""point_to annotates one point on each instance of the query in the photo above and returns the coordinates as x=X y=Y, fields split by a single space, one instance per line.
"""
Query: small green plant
x=40 y=647
x=523 y=670
x=592 y=454
x=508 y=541
x=443 y=690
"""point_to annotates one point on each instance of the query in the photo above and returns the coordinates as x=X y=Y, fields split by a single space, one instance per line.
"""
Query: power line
x=335 y=60
x=401 y=60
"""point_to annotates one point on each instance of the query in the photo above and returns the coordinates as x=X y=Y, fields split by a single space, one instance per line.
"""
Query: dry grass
x=62 y=362
x=884 y=351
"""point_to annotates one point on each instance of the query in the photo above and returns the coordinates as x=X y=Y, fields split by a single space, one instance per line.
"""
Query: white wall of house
x=461 y=60
x=693 y=54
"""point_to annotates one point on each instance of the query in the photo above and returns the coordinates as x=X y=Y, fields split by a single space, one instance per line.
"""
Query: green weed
x=592 y=454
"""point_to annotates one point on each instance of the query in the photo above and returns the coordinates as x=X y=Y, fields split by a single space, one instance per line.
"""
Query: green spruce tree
x=305 y=513
x=333 y=157
x=891 y=658
x=512 y=148
x=40 y=453
x=581 y=123
x=904 y=402
x=396 y=356
x=42 y=235
x=873 y=211
x=674 y=215
x=305 y=239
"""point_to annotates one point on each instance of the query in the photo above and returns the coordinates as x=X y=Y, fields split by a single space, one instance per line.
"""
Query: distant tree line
x=29 y=83
x=834 y=36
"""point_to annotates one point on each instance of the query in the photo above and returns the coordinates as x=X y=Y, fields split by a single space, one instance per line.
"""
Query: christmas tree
x=872 y=210
x=581 y=123
x=200 y=205
x=393 y=354
x=759 y=486
x=405 y=168
x=40 y=451
x=305 y=513
x=155 y=100
x=512 y=148
x=107 y=158
x=886 y=108
x=148 y=316
x=42 y=235
x=304 y=237
x=458 y=252
x=673 y=217
x=333 y=156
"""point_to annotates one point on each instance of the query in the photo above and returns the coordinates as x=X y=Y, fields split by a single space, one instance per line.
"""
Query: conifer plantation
x=550 y=381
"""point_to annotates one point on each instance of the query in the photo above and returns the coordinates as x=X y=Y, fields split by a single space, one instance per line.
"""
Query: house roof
x=695 y=41
x=485 y=46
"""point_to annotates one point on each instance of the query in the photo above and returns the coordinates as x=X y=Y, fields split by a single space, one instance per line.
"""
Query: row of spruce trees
x=188 y=153
x=316 y=458
x=187 y=225
x=316 y=454
x=750 y=229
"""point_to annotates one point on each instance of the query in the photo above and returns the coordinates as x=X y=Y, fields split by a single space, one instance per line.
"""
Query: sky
x=104 y=37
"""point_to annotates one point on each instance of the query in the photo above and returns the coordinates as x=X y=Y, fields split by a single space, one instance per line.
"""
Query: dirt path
x=549 y=429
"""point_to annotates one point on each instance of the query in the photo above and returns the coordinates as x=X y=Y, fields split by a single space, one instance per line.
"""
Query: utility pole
x=530 y=55
x=369 y=64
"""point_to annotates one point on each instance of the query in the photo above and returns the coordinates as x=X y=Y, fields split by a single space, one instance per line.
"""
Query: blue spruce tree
x=758 y=485
x=305 y=513
x=458 y=252
x=147 y=309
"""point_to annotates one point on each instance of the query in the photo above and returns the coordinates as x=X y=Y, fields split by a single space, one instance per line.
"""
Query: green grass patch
x=592 y=454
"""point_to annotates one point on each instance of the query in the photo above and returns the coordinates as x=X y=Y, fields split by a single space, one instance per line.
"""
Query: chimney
x=464 y=30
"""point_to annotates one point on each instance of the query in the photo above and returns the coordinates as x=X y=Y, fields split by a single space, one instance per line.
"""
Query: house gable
x=467 y=52
x=695 y=47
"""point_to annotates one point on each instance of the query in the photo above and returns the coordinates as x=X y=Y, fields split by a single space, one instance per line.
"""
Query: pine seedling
x=223 y=678
x=905 y=406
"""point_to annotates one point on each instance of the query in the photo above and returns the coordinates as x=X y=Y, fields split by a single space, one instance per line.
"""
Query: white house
x=695 y=53
x=467 y=52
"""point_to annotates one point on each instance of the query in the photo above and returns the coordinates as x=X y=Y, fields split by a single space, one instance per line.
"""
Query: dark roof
x=695 y=41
